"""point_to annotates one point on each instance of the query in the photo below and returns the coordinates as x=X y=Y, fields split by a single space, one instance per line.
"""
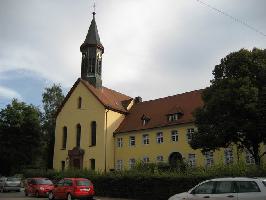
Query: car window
x=44 y=182
x=13 y=179
x=224 y=187
x=205 y=188
x=264 y=183
x=83 y=183
x=68 y=182
x=60 y=183
x=247 y=186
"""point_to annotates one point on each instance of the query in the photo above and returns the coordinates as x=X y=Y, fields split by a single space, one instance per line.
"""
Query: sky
x=153 y=48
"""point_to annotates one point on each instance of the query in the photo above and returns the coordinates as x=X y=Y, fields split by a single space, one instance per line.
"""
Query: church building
x=101 y=129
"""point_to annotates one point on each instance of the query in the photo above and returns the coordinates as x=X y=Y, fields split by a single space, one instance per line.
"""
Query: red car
x=72 y=188
x=38 y=187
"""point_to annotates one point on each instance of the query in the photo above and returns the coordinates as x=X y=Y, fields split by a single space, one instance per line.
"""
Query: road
x=21 y=196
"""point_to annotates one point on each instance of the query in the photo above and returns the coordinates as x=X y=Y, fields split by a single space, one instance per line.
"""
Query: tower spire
x=92 y=50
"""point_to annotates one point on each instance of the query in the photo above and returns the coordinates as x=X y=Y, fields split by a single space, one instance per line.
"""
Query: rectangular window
x=132 y=163
x=249 y=158
x=132 y=141
x=159 y=138
x=63 y=165
x=145 y=139
x=64 y=142
x=228 y=156
x=159 y=158
x=209 y=158
x=146 y=159
x=119 y=142
x=174 y=135
x=192 y=160
x=119 y=164
x=190 y=132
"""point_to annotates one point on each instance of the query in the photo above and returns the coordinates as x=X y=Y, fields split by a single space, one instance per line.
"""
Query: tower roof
x=92 y=38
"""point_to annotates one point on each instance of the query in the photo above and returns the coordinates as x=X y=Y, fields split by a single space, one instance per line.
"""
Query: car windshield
x=83 y=183
x=13 y=179
x=43 y=182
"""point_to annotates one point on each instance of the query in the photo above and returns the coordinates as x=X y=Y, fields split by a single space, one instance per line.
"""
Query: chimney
x=137 y=99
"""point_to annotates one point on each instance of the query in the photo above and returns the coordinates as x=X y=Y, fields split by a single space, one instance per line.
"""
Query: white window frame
x=228 y=156
x=159 y=158
x=192 y=160
x=131 y=140
x=190 y=131
x=249 y=158
x=159 y=138
x=174 y=135
x=131 y=163
x=145 y=139
x=119 y=142
x=146 y=159
x=119 y=164
x=209 y=161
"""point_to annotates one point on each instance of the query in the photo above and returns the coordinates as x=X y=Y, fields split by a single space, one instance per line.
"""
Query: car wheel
x=51 y=196
x=69 y=196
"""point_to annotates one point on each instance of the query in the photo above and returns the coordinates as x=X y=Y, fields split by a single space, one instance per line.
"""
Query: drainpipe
x=105 y=139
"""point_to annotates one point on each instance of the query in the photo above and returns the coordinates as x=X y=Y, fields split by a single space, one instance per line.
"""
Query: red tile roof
x=157 y=111
x=109 y=98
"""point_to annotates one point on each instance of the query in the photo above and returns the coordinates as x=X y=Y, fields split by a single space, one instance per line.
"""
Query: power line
x=237 y=20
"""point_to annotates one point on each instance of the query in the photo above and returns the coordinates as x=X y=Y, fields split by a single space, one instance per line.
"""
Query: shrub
x=150 y=181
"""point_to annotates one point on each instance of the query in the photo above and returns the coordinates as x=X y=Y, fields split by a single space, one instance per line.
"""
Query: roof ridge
x=172 y=96
x=116 y=91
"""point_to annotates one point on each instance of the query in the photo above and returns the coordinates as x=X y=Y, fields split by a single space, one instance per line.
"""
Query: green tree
x=20 y=136
x=52 y=98
x=234 y=110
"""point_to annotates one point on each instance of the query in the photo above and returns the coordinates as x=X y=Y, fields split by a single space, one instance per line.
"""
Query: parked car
x=72 y=188
x=38 y=187
x=238 y=188
x=10 y=184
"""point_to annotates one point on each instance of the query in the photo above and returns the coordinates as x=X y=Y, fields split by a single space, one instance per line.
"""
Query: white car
x=10 y=184
x=237 y=188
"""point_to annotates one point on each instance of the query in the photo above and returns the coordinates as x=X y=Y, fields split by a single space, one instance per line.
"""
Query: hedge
x=149 y=184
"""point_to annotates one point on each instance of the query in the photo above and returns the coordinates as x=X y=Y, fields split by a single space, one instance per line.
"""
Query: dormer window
x=174 y=117
x=145 y=120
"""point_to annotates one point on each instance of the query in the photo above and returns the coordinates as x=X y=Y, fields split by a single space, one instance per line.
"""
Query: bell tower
x=92 y=51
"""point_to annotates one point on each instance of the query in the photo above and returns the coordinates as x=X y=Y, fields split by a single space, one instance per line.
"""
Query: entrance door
x=76 y=163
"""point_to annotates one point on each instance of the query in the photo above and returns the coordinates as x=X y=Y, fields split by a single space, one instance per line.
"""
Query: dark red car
x=38 y=187
x=72 y=188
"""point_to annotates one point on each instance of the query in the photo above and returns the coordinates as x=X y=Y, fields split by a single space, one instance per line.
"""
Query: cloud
x=153 y=48
x=8 y=93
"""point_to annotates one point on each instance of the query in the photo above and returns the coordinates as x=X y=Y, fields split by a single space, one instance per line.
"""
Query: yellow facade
x=154 y=149
x=91 y=110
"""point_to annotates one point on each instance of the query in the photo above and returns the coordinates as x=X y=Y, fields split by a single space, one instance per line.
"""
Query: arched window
x=64 y=138
x=92 y=164
x=78 y=135
x=93 y=133
x=79 y=102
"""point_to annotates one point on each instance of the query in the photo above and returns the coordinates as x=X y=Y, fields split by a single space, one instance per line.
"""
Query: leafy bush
x=150 y=181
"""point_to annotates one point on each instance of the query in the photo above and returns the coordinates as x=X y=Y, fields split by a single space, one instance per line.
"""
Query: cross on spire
x=94 y=8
